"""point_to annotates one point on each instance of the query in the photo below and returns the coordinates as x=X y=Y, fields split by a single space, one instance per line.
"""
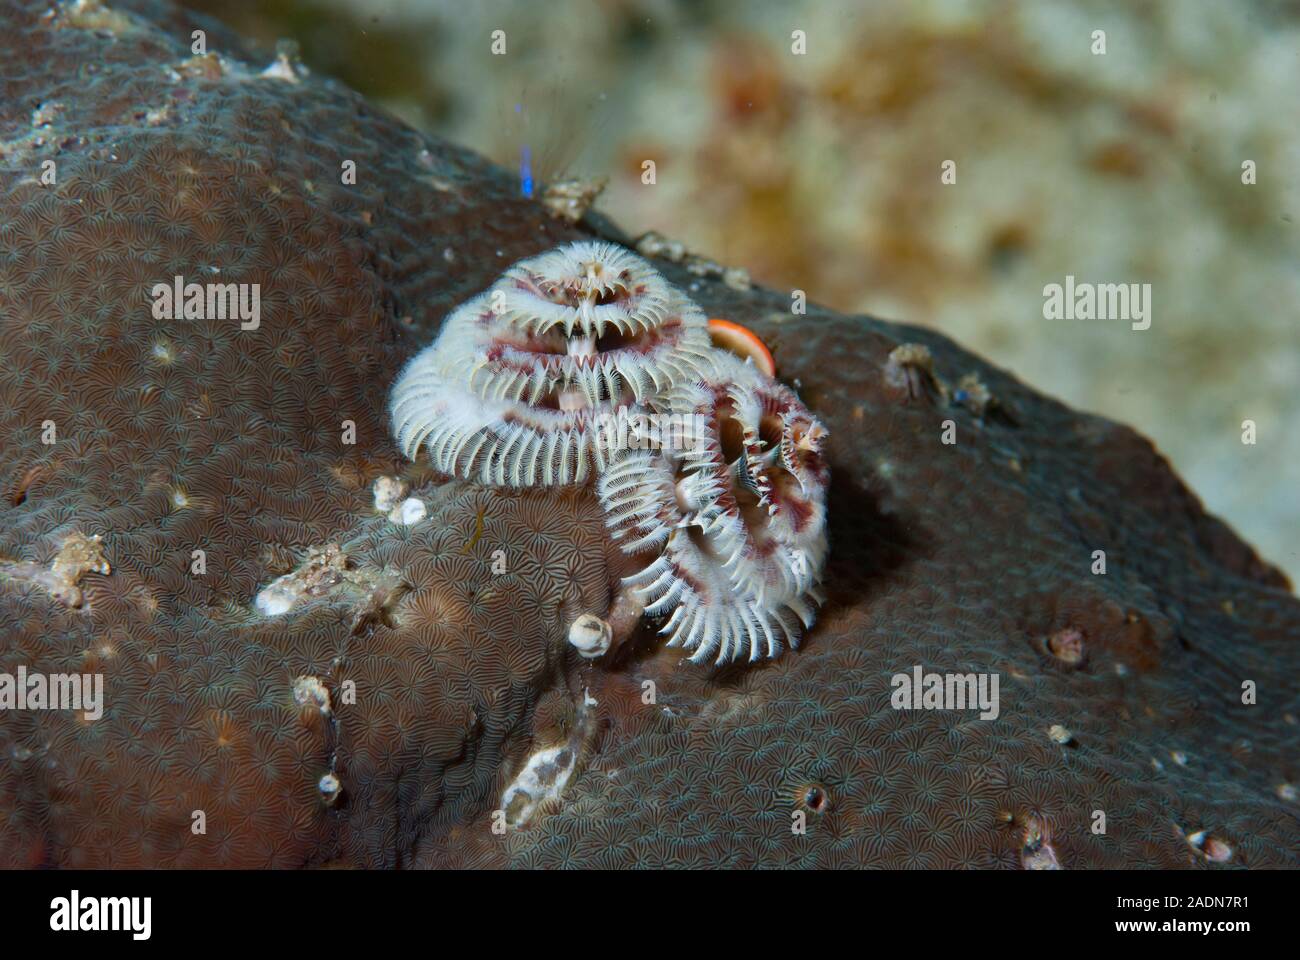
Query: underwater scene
x=602 y=435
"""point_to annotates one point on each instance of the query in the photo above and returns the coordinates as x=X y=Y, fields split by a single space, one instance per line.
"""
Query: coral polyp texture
x=519 y=388
x=211 y=461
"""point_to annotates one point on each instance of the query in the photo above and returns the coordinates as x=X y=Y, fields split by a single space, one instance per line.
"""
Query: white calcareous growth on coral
x=326 y=572
x=590 y=636
x=389 y=493
x=277 y=598
x=330 y=787
x=524 y=387
x=409 y=511
x=310 y=690
x=77 y=556
x=543 y=778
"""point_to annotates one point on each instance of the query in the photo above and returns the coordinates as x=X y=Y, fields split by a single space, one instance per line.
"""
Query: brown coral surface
x=442 y=644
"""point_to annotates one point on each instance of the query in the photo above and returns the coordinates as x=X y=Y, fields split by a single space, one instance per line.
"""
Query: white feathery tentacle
x=549 y=377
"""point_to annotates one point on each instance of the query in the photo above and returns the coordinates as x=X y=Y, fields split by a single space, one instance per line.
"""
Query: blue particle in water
x=526 y=172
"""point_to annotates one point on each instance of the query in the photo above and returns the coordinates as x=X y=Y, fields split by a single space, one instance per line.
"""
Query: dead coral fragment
x=380 y=592
x=94 y=15
x=78 y=555
x=389 y=494
x=320 y=573
x=1037 y=852
x=1067 y=645
x=571 y=199
x=654 y=244
x=1059 y=734
x=288 y=65
x=910 y=370
x=310 y=690
x=207 y=66
x=326 y=572
x=543 y=778
x=546 y=773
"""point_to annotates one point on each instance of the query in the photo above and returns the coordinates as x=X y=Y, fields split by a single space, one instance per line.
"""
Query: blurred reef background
x=821 y=172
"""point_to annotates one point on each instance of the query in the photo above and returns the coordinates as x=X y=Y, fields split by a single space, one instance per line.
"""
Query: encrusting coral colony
x=360 y=600
x=536 y=381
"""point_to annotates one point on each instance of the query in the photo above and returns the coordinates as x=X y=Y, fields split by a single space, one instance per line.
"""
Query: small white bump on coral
x=330 y=788
x=543 y=778
x=1060 y=734
x=278 y=597
x=409 y=511
x=310 y=690
x=1210 y=847
x=388 y=493
x=590 y=636
x=391 y=499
